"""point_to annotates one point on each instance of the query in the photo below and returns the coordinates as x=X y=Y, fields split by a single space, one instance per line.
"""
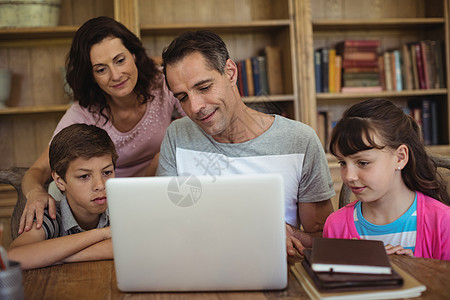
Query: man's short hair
x=79 y=140
x=206 y=42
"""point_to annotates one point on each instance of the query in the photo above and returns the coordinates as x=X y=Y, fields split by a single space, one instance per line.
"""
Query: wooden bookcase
x=394 y=23
x=36 y=57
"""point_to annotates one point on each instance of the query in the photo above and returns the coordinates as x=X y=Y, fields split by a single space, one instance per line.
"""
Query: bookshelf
x=246 y=27
x=394 y=23
x=325 y=23
x=36 y=56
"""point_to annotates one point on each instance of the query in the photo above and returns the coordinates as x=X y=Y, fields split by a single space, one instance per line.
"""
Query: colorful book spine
x=398 y=71
x=387 y=70
x=331 y=70
x=249 y=72
x=256 y=75
x=325 y=63
x=318 y=70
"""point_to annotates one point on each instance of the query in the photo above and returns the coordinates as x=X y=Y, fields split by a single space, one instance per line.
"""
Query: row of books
x=423 y=110
x=426 y=113
x=262 y=74
x=414 y=66
x=358 y=66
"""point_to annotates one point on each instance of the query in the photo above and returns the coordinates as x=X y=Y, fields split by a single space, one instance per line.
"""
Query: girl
x=401 y=199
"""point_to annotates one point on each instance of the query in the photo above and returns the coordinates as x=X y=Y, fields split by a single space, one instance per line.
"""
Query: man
x=223 y=136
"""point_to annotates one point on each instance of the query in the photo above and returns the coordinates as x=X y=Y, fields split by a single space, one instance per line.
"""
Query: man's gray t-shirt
x=288 y=147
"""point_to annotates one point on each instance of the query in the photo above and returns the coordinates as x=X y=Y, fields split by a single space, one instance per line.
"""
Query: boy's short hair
x=79 y=140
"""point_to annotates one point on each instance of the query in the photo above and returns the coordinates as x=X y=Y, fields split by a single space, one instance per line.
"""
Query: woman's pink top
x=137 y=147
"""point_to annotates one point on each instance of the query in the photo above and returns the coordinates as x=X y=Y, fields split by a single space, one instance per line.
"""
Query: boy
x=82 y=157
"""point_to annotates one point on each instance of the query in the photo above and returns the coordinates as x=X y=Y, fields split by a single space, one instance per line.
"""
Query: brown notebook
x=410 y=288
x=349 y=256
x=339 y=282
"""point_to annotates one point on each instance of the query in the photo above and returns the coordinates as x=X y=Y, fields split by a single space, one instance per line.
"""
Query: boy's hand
x=106 y=231
x=398 y=250
x=36 y=203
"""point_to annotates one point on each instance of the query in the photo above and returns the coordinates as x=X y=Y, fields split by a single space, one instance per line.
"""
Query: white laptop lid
x=198 y=233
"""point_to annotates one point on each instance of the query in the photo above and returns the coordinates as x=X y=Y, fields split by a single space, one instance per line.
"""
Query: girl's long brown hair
x=354 y=133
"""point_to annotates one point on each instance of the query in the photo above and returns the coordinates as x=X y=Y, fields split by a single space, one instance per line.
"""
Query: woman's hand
x=37 y=201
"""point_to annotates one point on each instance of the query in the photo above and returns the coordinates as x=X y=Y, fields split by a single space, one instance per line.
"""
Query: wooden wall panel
x=76 y=12
x=210 y=11
x=6 y=138
x=370 y=9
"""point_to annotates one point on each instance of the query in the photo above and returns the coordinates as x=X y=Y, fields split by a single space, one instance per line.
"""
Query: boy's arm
x=32 y=250
x=98 y=251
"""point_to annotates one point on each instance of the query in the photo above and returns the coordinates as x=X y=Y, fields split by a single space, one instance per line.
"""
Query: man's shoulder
x=183 y=124
x=295 y=130
x=286 y=122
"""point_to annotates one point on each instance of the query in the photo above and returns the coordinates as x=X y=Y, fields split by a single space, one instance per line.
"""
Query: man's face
x=205 y=95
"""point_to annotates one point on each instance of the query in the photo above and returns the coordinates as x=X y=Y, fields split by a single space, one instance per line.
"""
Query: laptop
x=198 y=233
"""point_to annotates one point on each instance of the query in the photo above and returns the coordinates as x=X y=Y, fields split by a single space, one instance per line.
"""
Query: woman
x=117 y=87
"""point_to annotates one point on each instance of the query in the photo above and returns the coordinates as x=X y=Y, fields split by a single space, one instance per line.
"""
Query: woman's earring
x=398 y=169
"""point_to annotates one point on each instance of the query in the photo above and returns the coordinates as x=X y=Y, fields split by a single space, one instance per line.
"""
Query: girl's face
x=373 y=174
x=114 y=67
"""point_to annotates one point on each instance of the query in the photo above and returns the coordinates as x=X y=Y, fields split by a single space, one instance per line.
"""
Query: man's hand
x=36 y=203
x=398 y=250
x=293 y=243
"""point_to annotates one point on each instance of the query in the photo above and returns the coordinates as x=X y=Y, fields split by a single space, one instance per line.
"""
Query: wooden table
x=96 y=280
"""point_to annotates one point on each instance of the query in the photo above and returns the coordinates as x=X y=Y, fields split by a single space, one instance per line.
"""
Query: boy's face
x=84 y=186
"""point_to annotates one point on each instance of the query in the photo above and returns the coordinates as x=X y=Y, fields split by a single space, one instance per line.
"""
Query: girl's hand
x=398 y=250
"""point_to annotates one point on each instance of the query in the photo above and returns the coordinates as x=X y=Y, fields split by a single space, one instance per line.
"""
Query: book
x=398 y=71
x=359 y=63
x=361 y=89
x=324 y=127
x=437 y=52
x=359 y=55
x=349 y=256
x=387 y=71
x=321 y=131
x=324 y=62
x=420 y=67
x=331 y=70
x=407 y=68
x=393 y=72
x=263 y=83
x=426 y=121
x=381 y=75
x=341 y=282
x=249 y=73
x=362 y=69
x=425 y=113
x=256 y=75
x=434 y=124
x=244 y=78
x=240 y=79
x=361 y=43
x=318 y=70
x=415 y=72
x=338 y=73
x=411 y=288
x=274 y=70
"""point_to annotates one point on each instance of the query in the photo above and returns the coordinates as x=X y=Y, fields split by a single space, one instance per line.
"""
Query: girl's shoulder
x=344 y=212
